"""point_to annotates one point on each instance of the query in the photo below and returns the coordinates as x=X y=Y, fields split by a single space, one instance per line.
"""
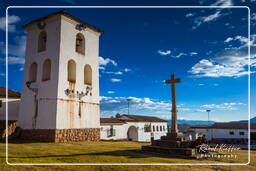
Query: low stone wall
x=62 y=135
x=38 y=134
x=12 y=126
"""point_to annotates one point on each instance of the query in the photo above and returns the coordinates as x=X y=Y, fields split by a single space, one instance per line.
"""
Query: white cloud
x=17 y=48
x=115 y=73
x=13 y=60
x=180 y=54
x=12 y=19
x=110 y=92
x=253 y=16
x=206 y=19
x=114 y=80
x=223 y=3
x=127 y=70
x=190 y=14
x=103 y=62
x=228 y=39
x=200 y=84
x=223 y=106
x=207 y=68
x=230 y=62
x=193 y=53
x=167 y=52
x=119 y=104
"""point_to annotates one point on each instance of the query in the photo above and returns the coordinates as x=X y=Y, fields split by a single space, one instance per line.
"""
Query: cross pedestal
x=173 y=143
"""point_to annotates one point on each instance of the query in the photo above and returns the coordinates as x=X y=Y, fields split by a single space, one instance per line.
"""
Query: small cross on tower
x=173 y=82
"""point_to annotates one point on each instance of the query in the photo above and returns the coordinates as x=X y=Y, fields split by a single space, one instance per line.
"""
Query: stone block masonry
x=61 y=135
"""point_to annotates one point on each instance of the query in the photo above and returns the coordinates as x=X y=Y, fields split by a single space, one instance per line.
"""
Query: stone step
x=175 y=152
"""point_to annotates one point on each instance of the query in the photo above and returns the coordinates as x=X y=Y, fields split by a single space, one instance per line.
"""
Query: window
x=72 y=71
x=111 y=132
x=157 y=128
x=42 y=38
x=154 y=128
x=88 y=75
x=231 y=133
x=33 y=72
x=1 y=103
x=161 y=128
x=147 y=128
x=241 y=133
x=46 y=70
x=80 y=43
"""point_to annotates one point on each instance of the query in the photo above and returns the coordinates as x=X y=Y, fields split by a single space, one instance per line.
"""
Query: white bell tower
x=60 y=96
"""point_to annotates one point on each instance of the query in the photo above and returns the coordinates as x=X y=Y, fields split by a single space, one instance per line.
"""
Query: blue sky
x=140 y=48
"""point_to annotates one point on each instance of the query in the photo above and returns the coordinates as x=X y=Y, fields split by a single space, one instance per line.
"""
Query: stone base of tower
x=173 y=144
x=61 y=135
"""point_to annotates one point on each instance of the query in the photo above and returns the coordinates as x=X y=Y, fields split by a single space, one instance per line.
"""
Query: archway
x=132 y=133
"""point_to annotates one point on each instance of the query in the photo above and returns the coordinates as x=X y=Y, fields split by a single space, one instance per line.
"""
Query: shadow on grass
x=21 y=141
x=136 y=153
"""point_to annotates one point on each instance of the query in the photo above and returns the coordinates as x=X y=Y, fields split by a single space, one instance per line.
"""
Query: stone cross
x=173 y=82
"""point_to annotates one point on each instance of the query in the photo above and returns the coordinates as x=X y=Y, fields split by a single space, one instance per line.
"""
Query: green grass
x=105 y=152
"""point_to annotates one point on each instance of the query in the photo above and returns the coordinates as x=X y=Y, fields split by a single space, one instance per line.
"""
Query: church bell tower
x=60 y=93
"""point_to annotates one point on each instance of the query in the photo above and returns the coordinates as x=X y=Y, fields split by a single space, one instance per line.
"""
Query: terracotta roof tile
x=11 y=93
x=111 y=120
x=140 y=118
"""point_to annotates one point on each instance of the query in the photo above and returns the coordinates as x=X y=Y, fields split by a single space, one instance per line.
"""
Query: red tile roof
x=11 y=93
x=140 y=118
x=225 y=126
x=111 y=120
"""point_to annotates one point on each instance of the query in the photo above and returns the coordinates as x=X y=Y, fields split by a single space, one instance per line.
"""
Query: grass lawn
x=105 y=152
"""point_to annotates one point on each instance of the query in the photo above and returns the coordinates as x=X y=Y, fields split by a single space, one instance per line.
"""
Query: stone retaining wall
x=12 y=126
x=62 y=135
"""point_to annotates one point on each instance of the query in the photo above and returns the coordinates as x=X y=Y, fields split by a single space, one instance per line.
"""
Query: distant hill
x=191 y=122
x=253 y=120
x=199 y=122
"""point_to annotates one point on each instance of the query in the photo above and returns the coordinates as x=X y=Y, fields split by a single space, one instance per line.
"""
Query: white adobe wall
x=122 y=130
x=146 y=136
x=119 y=129
x=47 y=90
x=54 y=109
x=13 y=109
x=90 y=116
x=223 y=133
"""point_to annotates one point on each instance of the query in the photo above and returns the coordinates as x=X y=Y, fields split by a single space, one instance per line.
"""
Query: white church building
x=235 y=133
x=60 y=91
x=133 y=128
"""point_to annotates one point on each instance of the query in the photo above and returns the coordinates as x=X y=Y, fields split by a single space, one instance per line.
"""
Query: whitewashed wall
x=47 y=90
x=55 y=110
x=119 y=132
x=90 y=117
x=122 y=130
x=223 y=133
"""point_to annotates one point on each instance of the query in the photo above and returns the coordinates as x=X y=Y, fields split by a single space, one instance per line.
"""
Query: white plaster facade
x=223 y=133
x=226 y=132
x=133 y=131
x=58 y=109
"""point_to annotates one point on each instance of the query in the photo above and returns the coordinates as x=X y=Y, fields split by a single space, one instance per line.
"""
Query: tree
x=118 y=115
